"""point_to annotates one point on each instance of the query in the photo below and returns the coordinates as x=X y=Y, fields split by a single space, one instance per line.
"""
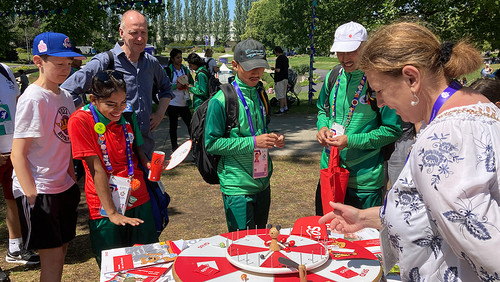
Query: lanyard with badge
x=389 y=259
x=339 y=129
x=260 y=155
x=120 y=186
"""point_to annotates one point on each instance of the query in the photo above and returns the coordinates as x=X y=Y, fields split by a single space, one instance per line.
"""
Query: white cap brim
x=345 y=46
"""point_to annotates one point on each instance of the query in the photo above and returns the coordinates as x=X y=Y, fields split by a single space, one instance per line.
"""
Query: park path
x=299 y=130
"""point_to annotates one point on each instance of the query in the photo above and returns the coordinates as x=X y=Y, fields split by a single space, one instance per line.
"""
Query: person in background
x=441 y=219
x=9 y=92
x=200 y=87
x=111 y=229
x=179 y=105
x=245 y=166
x=77 y=64
x=211 y=63
x=489 y=87
x=360 y=130
x=141 y=72
x=23 y=79
x=44 y=178
x=281 y=79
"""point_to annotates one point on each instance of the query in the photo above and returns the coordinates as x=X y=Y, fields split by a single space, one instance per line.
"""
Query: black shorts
x=52 y=221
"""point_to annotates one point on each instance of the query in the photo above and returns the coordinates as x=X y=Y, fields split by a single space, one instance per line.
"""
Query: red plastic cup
x=156 y=166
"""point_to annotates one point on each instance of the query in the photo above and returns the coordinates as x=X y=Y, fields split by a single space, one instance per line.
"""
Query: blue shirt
x=139 y=82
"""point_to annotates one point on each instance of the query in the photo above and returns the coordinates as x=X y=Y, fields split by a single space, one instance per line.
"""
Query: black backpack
x=207 y=163
x=214 y=84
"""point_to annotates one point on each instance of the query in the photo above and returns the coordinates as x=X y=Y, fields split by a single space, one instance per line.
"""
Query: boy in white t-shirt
x=44 y=180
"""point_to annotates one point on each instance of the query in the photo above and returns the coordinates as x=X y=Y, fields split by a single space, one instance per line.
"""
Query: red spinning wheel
x=236 y=256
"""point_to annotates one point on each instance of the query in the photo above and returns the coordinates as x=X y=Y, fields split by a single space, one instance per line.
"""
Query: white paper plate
x=179 y=155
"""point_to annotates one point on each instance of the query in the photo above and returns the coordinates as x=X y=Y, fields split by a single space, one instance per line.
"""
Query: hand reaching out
x=119 y=219
x=344 y=218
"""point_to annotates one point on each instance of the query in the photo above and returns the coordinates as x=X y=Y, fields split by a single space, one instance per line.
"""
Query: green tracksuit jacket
x=235 y=167
x=366 y=134
x=200 y=88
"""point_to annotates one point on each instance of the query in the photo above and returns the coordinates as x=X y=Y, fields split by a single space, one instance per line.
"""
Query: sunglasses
x=105 y=76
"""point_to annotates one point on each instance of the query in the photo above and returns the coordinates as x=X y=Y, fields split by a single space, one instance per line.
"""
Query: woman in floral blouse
x=441 y=219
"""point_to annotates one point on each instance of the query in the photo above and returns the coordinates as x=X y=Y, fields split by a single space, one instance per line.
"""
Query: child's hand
x=122 y=220
x=280 y=140
x=266 y=140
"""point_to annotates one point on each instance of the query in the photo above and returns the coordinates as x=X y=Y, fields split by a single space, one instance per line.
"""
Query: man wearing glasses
x=141 y=72
x=346 y=120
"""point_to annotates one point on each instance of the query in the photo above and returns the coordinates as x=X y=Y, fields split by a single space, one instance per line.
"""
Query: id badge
x=6 y=122
x=389 y=259
x=260 y=163
x=120 y=193
x=337 y=129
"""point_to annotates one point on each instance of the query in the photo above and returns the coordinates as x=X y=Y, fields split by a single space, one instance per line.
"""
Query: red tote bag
x=333 y=181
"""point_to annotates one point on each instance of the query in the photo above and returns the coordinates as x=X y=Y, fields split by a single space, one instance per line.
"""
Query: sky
x=230 y=4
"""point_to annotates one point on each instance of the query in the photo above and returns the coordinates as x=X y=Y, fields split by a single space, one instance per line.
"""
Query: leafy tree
x=170 y=21
x=179 y=23
x=202 y=20
x=263 y=22
x=239 y=20
x=187 y=21
x=224 y=23
x=194 y=17
x=210 y=18
x=217 y=20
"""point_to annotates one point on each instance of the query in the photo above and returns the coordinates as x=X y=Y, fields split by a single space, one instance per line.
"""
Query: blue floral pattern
x=472 y=222
x=488 y=154
x=445 y=201
x=432 y=241
x=437 y=161
x=409 y=200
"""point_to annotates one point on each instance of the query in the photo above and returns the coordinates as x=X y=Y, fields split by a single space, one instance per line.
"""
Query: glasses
x=105 y=76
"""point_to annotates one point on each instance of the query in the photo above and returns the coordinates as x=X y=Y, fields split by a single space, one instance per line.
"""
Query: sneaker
x=23 y=256
x=3 y=276
x=278 y=113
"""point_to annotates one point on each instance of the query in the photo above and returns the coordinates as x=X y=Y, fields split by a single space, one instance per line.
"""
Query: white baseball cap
x=348 y=37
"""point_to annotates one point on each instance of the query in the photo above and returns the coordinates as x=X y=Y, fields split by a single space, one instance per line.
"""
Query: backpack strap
x=206 y=72
x=332 y=77
x=232 y=107
x=5 y=73
x=111 y=64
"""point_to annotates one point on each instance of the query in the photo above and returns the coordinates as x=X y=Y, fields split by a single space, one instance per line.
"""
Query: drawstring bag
x=333 y=181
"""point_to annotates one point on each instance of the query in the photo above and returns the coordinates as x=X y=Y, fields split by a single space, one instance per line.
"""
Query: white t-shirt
x=8 y=93
x=43 y=116
x=181 y=96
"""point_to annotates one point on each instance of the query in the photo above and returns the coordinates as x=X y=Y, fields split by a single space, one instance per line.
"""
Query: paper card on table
x=309 y=227
x=207 y=270
x=345 y=272
x=120 y=259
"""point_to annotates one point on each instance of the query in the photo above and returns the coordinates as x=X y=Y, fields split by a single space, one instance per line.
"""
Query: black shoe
x=23 y=257
x=3 y=276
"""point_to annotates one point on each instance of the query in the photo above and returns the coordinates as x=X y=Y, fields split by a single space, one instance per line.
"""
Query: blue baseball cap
x=54 y=44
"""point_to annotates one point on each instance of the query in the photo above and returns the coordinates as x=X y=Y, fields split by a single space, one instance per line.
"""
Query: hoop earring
x=414 y=103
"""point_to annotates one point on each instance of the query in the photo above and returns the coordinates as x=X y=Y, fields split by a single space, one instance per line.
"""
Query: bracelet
x=254 y=142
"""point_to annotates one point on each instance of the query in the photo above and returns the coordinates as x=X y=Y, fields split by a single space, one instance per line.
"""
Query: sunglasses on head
x=105 y=76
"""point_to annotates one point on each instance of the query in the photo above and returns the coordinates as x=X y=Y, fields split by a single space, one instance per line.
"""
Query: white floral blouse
x=443 y=213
